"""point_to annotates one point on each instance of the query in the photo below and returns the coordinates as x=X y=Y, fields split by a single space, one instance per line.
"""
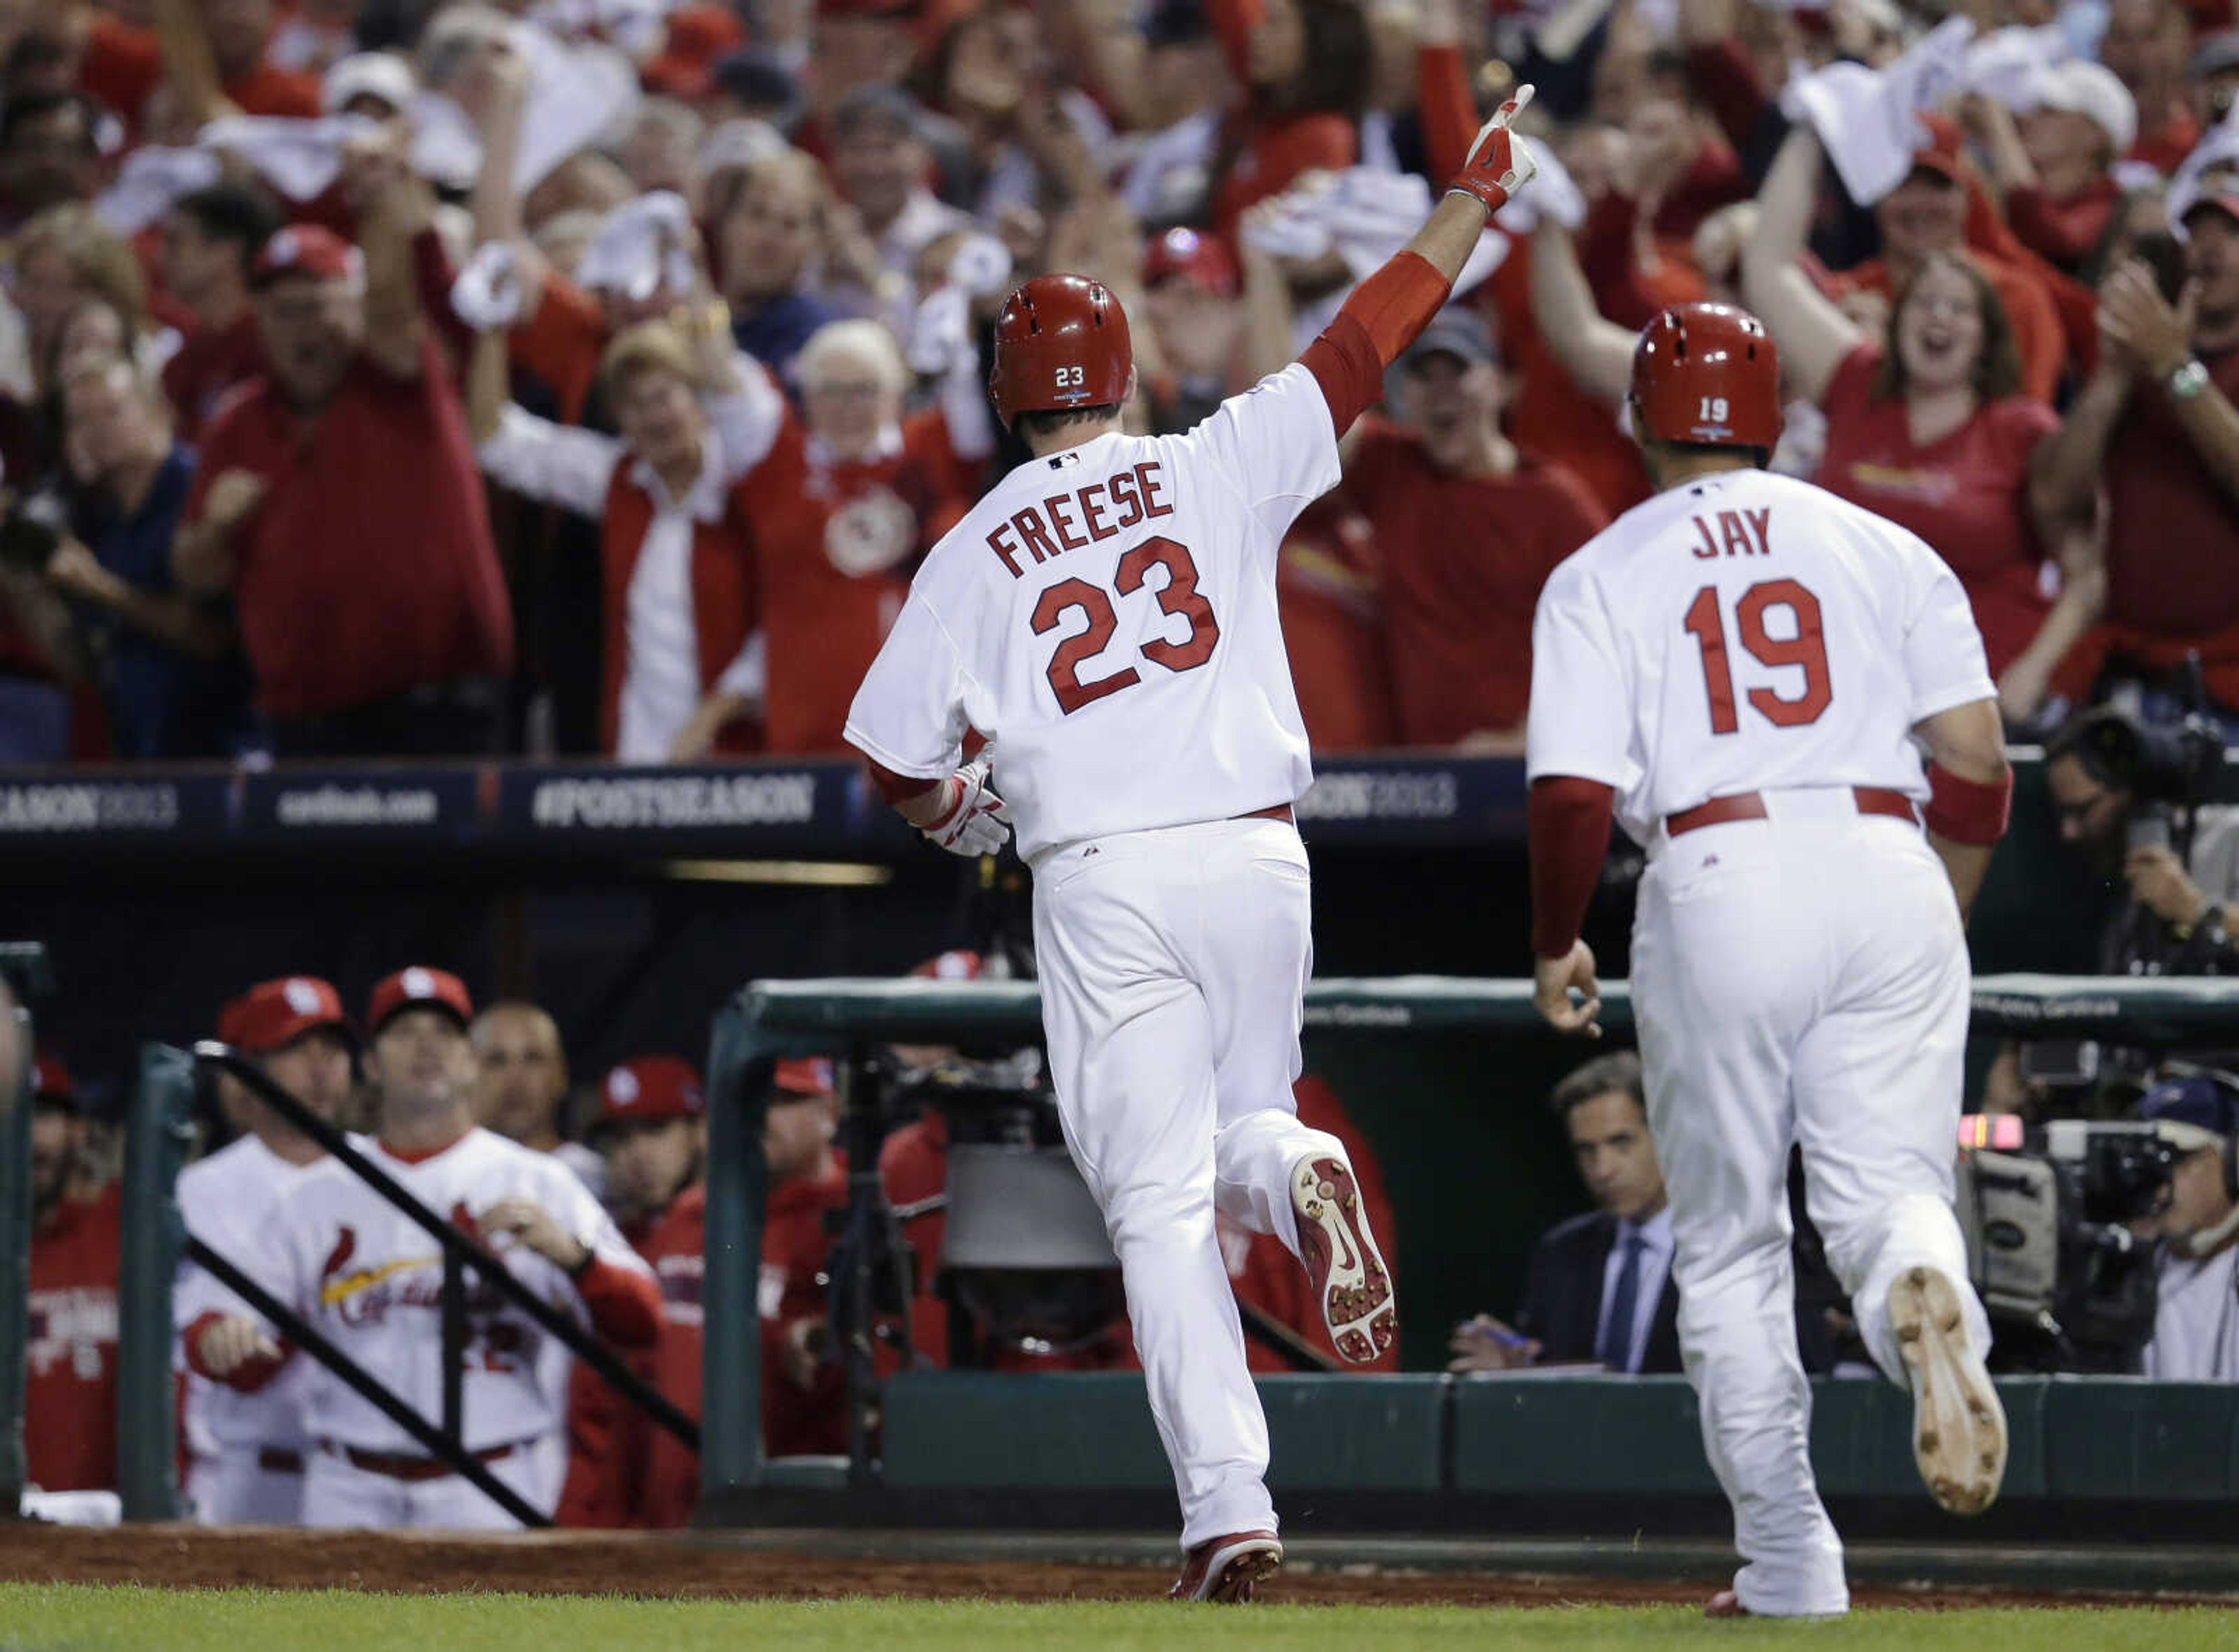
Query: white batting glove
x=1499 y=163
x=973 y=820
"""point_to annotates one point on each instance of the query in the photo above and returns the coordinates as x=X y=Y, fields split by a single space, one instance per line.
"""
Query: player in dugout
x=369 y=1278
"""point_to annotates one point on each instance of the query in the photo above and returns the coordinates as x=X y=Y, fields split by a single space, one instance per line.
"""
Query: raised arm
x=2156 y=337
x=395 y=205
x=559 y=464
x=1812 y=335
x=1386 y=311
x=496 y=201
x=1595 y=351
x=189 y=63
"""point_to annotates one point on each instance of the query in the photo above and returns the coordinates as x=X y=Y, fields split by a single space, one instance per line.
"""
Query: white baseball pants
x=337 y=1492
x=1172 y=964
x=1798 y=980
x=232 y=1488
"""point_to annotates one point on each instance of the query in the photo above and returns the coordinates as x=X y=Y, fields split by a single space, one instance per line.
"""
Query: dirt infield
x=679 y=1566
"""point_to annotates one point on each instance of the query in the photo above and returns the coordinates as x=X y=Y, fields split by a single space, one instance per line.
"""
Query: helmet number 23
x=1805 y=648
x=1180 y=595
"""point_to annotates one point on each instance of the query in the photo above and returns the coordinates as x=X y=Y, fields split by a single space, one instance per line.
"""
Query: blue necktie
x=1616 y=1350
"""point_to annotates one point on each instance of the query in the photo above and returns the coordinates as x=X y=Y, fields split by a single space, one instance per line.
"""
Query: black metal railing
x=461 y=1252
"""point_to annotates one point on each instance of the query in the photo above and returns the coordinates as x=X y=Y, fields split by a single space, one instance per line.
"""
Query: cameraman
x=2196 y=1318
x=2125 y=795
x=170 y=673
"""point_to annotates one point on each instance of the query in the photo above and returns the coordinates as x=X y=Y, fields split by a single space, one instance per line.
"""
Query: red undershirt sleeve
x=624 y=1303
x=1377 y=324
x=1569 y=820
x=898 y=789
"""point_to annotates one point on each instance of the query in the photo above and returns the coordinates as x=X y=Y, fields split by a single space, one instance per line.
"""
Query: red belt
x=1750 y=805
x=1277 y=812
x=274 y=1462
x=398 y=1467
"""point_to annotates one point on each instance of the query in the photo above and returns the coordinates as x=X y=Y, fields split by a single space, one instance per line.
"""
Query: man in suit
x=1600 y=1290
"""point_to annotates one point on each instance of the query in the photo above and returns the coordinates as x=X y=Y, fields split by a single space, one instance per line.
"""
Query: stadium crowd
x=590 y=378
x=381 y=380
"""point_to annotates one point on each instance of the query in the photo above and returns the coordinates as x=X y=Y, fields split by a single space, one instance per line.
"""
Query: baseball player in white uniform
x=1746 y=672
x=370 y=1279
x=246 y=1452
x=1105 y=618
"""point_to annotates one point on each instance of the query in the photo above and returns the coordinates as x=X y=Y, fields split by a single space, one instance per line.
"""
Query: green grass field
x=73 y=1618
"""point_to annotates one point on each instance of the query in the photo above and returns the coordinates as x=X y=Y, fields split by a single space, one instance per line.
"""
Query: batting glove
x=976 y=821
x=1499 y=163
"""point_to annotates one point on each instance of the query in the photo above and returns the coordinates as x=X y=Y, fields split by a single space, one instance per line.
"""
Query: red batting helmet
x=1060 y=344
x=1706 y=375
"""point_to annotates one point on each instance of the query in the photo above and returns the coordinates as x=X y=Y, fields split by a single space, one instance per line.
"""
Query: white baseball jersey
x=226 y=1200
x=1106 y=617
x=1744 y=632
x=371 y=1279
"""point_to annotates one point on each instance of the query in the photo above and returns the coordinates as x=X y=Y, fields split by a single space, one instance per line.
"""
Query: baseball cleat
x=1725 y=1603
x=1958 y=1427
x=1224 y=1569
x=1350 y=1279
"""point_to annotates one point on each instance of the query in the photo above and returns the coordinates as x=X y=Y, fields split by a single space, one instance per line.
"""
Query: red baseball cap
x=1940 y=155
x=304 y=249
x=411 y=988
x=51 y=1081
x=1202 y=258
x=652 y=1088
x=805 y=1077
x=277 y=1012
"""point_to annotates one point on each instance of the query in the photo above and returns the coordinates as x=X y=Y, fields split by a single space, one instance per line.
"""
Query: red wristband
x=1970 y=812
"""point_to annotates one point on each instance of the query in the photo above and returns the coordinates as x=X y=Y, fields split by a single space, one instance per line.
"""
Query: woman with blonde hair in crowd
x=1928 y=425
x=677 y=582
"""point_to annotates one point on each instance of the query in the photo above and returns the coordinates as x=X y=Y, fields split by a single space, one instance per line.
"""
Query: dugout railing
x=155 y=1239
x=23 y=975
x=970 y=1447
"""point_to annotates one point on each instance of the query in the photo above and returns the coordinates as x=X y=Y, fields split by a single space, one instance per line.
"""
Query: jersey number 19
x=1806 y=649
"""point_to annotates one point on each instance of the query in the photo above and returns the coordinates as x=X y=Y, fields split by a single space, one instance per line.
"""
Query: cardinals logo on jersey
x=337 y=1258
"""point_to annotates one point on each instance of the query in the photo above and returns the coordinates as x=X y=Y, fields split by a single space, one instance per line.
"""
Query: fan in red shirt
x=1467 y=528
x=2145 y=44
x=1927 y=213
x=1931 y=429
x=210 y=239
x=71 y=1419
x=841 y=511
x=338 y=502
x=210 y=50
x=2155 y=425
x=1304 y=65
x=1569 y=420
x=2053 y=164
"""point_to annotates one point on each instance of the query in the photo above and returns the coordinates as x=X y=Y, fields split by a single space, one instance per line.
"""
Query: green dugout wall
x=1446 y=1077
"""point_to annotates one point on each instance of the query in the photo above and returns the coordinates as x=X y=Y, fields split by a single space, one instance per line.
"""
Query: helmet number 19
x=1180 y=595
